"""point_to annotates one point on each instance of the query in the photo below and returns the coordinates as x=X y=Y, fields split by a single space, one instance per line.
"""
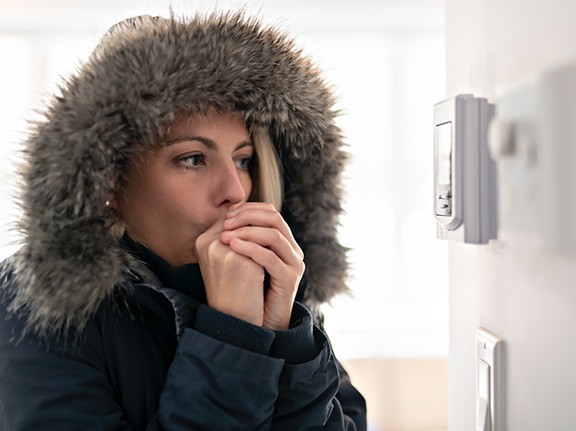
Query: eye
x=244 y=163
x=191 y=161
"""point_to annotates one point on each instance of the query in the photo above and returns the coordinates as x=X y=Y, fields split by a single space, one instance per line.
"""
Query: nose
x=231 y=186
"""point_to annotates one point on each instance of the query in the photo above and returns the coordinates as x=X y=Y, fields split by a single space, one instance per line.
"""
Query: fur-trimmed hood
x=142 y=73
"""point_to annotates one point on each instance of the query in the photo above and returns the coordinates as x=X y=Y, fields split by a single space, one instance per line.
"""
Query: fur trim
x=144 y=71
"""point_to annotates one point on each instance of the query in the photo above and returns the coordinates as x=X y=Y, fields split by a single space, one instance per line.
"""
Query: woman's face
x=173 y=194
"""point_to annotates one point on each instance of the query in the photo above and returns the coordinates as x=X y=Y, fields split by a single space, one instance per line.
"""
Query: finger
x=235 y=209
x=270 y=261
x=209 y=235
x=242 y=212
x=266 y=237
x=263 y=215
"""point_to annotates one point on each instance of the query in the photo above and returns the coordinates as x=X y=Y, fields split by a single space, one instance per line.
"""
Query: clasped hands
x=234 y=255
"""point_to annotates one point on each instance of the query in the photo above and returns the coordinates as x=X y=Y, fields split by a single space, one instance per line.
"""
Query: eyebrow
x=206 y=141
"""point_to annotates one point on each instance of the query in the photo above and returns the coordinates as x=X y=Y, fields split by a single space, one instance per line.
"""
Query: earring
x=107 y=204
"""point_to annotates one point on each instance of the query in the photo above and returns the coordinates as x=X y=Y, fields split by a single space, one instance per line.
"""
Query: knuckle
x=200 y=240
x=301 y=268
x=277 y=235
x=212 y=248
x=265 y=206
x=277 y=217
x=300 y=253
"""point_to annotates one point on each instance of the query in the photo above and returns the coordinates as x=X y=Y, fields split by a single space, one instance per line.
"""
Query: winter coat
x=90 y=338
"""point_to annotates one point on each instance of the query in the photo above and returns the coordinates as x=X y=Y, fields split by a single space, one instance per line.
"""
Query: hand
x=257 y=231
x=233 y=282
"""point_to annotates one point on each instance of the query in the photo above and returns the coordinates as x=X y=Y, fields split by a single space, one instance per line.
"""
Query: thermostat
x=464 y=174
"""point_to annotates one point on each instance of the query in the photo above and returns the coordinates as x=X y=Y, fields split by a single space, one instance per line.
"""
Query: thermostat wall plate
x=464 y=174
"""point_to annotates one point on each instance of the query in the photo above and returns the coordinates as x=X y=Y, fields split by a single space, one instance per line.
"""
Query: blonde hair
x=267 y=184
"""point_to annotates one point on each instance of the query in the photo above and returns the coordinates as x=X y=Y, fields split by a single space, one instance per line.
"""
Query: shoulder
x=126 y=303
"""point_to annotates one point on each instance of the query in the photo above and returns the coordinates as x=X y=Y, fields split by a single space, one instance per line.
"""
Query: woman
x=173 y=197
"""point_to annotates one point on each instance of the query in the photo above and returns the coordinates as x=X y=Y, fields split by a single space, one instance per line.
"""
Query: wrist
x=252 y=316
x=279 y=320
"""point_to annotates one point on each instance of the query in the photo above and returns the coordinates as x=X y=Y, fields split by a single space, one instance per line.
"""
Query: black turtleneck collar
x=186 y=279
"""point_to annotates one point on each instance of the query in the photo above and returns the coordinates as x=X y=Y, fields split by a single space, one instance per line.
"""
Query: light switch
x=483 y=409
x=489 y=382
x=484 y=380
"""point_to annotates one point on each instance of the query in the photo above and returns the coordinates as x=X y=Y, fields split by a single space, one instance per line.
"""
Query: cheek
x=171 y=197
x=247 y=185
x=178 y=201
x=142 y=192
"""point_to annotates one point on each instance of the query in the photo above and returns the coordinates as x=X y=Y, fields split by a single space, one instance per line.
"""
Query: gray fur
x=143 y=71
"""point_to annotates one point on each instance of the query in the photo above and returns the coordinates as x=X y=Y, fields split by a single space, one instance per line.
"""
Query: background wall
x=528 y=298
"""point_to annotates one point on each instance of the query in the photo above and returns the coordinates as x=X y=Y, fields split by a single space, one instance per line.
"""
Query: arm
x=317 y=394
x=225 y=387
x=352 y=402
x=308 y=392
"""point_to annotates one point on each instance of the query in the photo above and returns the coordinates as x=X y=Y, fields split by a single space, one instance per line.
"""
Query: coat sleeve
x=351 y=401
x=318 y=395
x=225 y=387
x=296 y=386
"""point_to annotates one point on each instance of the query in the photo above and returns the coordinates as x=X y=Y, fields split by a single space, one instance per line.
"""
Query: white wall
x=526 y=297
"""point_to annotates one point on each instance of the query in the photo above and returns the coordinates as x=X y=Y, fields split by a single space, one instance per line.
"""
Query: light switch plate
x=489 y=364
